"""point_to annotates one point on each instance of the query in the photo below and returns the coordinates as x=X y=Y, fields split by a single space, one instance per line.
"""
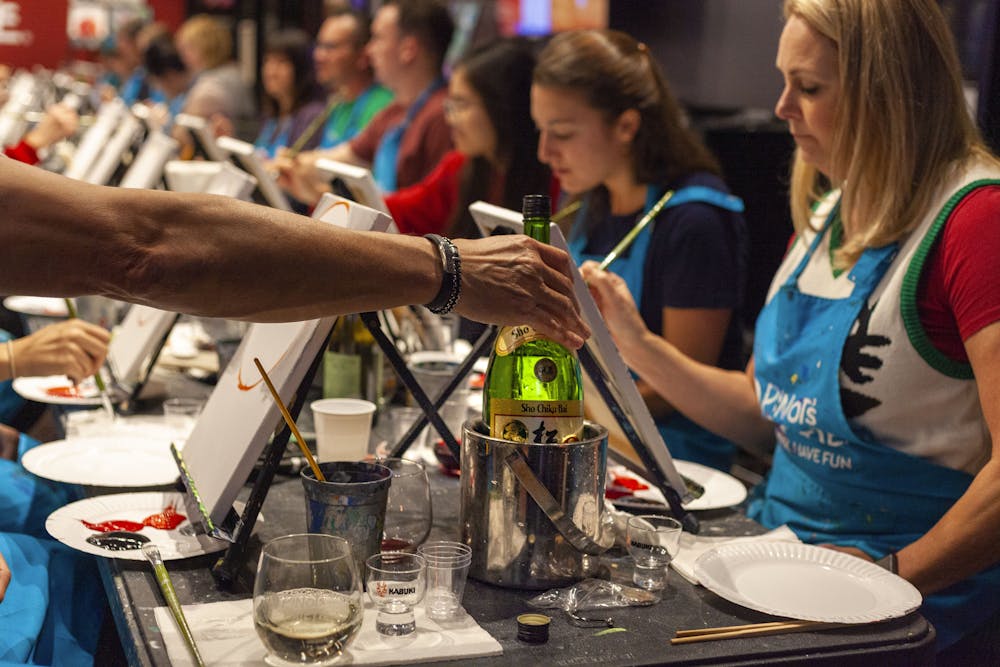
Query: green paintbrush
x=639 y=226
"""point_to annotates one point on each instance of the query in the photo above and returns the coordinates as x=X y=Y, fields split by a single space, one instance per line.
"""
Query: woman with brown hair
x=616 y=139
x=292 y=99
x=876 y=366
x=495 y=145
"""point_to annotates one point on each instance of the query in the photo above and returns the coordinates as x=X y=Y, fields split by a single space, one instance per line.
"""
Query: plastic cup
x=182 y=413
x=447 y=571
x=652 y=541
x=433 y=370
x=343 y=428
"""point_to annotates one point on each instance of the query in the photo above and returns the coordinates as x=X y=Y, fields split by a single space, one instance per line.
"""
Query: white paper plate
x=65 y=525
x=37 y=389
x=721 y=489
x=44 y=306
x=805 y=582
x=118 y=461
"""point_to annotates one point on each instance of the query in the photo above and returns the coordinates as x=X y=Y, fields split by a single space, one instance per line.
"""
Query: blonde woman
x=218 y=93
x=876 y=366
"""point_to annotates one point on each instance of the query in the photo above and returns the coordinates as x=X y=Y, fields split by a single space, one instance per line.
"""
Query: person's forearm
x=721 y=401
x=965 y=541
x=200 y=254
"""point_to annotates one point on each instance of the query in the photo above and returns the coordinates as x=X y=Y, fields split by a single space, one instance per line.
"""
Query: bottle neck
x=537 y=228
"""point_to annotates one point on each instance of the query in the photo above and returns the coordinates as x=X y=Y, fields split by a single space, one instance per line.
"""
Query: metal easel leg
x=430 y=407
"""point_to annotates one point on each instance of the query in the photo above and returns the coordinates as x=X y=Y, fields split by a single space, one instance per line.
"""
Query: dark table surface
x=133 y=595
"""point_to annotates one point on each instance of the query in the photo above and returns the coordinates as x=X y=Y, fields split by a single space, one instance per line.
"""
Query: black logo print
x=858 y=365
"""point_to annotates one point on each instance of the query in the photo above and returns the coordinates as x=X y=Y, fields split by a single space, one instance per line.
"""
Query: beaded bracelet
x=451 y=280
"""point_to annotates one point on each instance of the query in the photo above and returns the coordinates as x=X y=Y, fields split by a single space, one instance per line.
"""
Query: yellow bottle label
x=341 y=375
x=510 y=338
x=537 y=422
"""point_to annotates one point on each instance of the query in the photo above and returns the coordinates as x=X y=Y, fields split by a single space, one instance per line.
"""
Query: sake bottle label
x=511 y=338
x=536 y=422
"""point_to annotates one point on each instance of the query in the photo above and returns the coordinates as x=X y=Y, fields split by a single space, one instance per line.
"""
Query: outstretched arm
x=216 y=256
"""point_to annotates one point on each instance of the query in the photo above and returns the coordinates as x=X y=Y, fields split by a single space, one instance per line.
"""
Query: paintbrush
x=152 y=554
x=639 y=226
x=291 y=422
x=313 y=127
x=98 y=380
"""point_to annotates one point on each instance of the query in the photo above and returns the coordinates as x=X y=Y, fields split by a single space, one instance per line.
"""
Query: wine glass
x=307 y=603
x=395 y=582
x=652 y=541
x=408 y=512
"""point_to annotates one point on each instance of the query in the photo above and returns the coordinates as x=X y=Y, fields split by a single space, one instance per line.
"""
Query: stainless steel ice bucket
x=533 y=514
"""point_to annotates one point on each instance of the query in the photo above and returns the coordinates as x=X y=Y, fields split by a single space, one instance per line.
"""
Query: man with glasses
x=343 y=69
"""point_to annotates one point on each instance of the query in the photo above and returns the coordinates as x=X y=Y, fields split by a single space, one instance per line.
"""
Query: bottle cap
x=536 y=206
x=533 y=628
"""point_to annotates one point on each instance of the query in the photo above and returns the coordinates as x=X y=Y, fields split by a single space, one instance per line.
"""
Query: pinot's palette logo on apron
x=791 y=413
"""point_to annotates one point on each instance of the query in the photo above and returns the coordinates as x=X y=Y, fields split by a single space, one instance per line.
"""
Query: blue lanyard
x=387 y=154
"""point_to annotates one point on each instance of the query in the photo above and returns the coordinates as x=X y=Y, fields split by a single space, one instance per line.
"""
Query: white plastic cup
x=343 y=428
x=447 y=570
x=433 y=370
x=182 y=413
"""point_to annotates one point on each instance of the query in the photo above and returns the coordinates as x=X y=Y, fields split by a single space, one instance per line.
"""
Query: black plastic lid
x=536 y=206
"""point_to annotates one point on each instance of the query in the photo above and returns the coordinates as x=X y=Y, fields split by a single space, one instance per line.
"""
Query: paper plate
x=721 y=489
x=44 y=306
x=66 y=525
x=805 y=582
x=37 y=389
x=117 y=461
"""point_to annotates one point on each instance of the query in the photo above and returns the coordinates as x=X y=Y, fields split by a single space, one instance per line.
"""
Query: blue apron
x=273 y=135
x=51 y=612
x=26 y=500
x=685 y=439
x=829 y=483
x=387 y=154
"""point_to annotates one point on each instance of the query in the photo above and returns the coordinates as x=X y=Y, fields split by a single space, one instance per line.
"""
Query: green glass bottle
x=533 y=390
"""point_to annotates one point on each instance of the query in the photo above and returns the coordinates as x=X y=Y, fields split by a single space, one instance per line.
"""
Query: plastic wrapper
x=593 y=594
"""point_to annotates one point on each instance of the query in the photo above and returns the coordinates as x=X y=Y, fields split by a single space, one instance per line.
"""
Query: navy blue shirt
x=697 y=259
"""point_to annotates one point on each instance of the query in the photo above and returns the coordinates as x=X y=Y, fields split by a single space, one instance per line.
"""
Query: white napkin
x=225 y=635
x=693 y=546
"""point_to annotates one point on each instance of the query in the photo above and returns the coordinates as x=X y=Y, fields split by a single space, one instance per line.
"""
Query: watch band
x=451 y=279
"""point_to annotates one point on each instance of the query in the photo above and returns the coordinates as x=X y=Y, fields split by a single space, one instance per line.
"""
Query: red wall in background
x=170 y=12
x=33 y=32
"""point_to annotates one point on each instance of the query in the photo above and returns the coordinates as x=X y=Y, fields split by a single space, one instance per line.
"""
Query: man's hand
x=514 y=279
x=59 y=122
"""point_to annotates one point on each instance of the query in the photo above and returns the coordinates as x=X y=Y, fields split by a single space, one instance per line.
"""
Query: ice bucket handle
x=580 y=540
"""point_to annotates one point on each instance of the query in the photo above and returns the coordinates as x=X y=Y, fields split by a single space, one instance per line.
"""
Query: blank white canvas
x=147 y=168
x=247 y=158
x=104 y=168
x=136 y=340
x=95 y=138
